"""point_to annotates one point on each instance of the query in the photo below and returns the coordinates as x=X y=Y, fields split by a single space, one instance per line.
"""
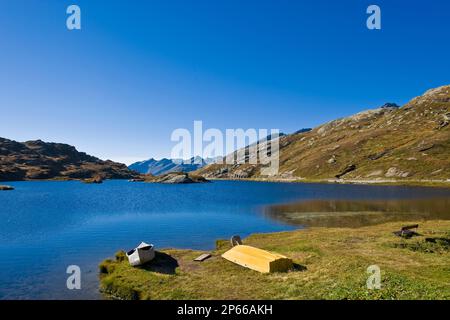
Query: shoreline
x=386 y=182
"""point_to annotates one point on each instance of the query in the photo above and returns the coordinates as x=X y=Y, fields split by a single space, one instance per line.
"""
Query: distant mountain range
x=164 y=166
x=35 y=160
x=411 y=142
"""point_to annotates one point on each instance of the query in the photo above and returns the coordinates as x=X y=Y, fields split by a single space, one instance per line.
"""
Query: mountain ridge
x=165 y=165
x=390 y=142
x=39 y=160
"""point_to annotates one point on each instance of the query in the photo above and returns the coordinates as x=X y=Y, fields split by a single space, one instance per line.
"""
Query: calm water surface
x=47 y=226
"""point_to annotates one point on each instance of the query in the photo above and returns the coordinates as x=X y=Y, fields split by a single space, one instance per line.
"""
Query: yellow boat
x=258 y=259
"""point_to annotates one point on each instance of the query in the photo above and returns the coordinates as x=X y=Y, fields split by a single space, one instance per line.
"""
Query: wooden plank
x=203 y=257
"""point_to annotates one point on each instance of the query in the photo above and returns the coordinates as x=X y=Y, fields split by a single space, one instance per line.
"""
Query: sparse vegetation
x=331 y=263
x=427 y=245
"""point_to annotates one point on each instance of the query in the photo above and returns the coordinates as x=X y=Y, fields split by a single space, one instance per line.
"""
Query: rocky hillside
x=411 y=142
x=34 y=160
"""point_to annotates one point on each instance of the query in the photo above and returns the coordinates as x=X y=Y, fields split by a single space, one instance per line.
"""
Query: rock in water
x=96 y=180
x=175 y=178
x=6 y=188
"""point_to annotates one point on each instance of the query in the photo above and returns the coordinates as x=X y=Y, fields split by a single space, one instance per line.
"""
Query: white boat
x=142 y=254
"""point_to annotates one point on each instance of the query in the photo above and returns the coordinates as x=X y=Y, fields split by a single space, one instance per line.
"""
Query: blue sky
x=140 y=69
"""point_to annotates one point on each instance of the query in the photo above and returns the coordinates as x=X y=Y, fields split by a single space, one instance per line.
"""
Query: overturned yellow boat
x=257 y=259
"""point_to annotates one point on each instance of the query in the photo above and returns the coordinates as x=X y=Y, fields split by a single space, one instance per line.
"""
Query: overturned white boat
x=142 y=254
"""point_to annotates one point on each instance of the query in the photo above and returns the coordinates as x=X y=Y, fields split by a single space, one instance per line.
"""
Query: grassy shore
x=411 y=183
x=330 y=263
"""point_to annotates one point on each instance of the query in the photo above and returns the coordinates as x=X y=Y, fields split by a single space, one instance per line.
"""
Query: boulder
x=179 y=178
x=332 y=159
x=395 y=172
x=96 y=180
x=175 y=178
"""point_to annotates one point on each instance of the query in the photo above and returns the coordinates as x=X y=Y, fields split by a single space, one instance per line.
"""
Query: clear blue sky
x=140 y=69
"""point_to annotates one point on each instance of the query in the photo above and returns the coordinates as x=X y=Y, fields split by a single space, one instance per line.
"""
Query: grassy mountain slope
x=388 y=143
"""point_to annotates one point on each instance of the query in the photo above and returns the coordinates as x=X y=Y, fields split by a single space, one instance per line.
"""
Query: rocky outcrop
x=95 y=180
x=394 y=172
x=6 y=188
x=36 y=160
x=174 y=178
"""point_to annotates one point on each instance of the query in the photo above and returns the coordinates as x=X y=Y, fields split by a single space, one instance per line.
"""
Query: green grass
x=330 y=263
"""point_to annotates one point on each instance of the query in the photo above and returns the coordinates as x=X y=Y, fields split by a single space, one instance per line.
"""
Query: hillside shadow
x=162 y=263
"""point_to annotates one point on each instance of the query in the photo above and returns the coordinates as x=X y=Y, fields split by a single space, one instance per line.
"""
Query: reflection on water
x=357 y=213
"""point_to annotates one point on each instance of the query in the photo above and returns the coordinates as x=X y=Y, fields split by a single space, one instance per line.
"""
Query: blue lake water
x=47 y=226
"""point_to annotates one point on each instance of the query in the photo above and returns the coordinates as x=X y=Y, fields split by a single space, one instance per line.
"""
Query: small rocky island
x=95 y=180
x=6 y=188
